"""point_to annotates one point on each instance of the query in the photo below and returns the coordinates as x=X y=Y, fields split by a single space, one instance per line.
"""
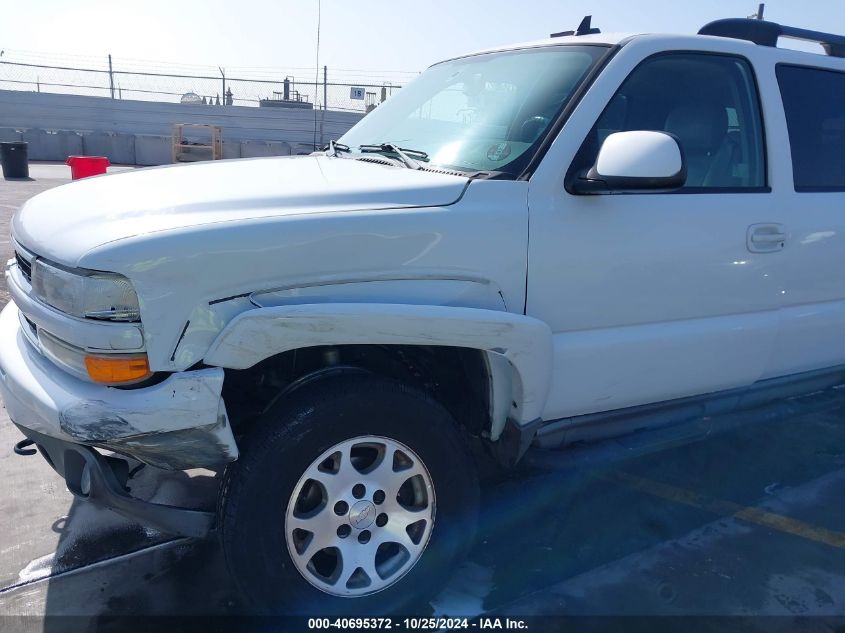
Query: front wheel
x=356 y=494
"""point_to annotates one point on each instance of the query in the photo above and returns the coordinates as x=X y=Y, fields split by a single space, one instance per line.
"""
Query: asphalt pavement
x=749 y=522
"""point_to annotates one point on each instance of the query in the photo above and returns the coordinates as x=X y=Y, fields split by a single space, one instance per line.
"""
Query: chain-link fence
x=307 y=89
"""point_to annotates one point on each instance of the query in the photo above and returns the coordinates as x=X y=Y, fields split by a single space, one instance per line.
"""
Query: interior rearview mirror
x=635 y=161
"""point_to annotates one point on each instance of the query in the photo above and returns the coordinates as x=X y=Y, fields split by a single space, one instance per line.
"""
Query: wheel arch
x=505 y=358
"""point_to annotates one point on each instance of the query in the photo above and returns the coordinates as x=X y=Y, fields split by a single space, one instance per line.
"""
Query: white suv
x=337 y=329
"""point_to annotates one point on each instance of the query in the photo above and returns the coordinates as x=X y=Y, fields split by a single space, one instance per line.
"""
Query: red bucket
x=84 y=166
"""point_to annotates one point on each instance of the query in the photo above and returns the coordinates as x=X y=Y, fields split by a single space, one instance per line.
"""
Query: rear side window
x=814 y=100
x=708 y=102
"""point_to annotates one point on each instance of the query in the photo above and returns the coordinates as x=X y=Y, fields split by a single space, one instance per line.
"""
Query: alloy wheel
x=360 y=516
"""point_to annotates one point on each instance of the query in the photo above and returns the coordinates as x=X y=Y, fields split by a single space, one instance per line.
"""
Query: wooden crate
x=186 y=152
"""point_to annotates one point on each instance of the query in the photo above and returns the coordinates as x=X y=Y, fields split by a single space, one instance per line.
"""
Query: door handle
x=766 y=238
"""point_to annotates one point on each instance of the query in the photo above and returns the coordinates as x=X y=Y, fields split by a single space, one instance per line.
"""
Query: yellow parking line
x=757 y=516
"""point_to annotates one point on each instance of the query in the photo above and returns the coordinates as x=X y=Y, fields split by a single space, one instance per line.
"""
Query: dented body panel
x=178 y=423
x=524 y=342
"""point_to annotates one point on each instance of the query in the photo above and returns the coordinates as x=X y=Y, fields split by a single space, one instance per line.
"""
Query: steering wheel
x=532 y=128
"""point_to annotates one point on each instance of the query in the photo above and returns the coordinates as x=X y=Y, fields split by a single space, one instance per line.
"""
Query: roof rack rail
x=766 y=33
x=583 y=29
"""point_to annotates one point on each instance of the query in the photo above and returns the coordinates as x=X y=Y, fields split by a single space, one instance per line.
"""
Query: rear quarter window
x=814 y=103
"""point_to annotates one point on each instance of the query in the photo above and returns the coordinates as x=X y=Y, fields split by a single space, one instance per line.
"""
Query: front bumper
x=177 y=424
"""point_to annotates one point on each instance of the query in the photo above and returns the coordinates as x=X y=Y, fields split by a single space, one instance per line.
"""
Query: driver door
x=656 y=296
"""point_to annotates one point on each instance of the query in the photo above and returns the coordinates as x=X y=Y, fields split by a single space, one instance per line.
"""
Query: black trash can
x=13 y=157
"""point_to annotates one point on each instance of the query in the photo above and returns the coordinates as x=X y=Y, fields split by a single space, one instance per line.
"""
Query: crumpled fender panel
x=525 y=342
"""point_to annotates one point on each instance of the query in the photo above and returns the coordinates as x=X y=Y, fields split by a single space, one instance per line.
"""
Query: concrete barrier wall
x=52 y=145
x=139 y=132
x=8 y=135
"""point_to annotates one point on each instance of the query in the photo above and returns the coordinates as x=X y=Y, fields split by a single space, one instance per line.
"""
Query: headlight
x=107 y=369
x=91 y=295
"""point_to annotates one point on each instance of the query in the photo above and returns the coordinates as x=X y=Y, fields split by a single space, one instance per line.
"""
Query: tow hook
x=21 y=447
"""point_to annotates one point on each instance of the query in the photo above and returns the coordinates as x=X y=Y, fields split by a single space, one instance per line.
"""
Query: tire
x=354 y=420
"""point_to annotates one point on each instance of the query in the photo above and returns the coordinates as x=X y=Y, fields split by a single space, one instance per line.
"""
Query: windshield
x=481 y=113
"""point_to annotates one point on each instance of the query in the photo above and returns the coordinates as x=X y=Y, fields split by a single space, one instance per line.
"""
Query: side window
x=709 y=102
x=814 y=101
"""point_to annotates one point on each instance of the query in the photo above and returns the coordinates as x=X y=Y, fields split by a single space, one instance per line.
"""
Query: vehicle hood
x=64 y=223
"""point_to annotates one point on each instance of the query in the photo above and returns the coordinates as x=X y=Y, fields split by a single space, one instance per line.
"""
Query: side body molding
x=525 y=343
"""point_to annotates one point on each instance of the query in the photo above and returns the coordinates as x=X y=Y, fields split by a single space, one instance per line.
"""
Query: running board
x=656 y=428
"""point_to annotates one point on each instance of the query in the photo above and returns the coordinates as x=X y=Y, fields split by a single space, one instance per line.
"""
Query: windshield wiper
x=401 y=152
x=334 y=148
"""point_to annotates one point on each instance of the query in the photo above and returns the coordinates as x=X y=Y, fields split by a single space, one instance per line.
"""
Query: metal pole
x=317 y=72
x=111 y=78
x=323 y=111
x=223 y=74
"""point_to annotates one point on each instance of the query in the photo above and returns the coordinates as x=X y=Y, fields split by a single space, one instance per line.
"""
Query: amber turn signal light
x=117 y=369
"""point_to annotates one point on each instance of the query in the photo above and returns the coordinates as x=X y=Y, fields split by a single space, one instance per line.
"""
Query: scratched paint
x=526 y=342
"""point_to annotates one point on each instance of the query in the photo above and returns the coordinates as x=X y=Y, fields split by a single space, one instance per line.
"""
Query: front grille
x=25 y=266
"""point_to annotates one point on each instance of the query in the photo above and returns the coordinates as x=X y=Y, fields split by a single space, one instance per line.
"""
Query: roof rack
x=583 y=29
x=766 y=33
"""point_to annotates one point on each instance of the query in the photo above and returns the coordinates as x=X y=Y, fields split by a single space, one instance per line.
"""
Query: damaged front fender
x=519 y=348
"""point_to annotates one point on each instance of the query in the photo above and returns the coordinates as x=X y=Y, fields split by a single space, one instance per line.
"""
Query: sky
x=362 y=38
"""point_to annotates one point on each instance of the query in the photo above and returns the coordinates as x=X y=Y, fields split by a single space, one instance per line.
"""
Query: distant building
x=190 y=97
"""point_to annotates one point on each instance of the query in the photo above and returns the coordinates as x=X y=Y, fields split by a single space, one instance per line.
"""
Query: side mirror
x=635 y=161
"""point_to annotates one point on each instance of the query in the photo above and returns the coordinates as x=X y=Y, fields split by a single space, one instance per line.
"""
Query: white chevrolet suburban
x=545 y=244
